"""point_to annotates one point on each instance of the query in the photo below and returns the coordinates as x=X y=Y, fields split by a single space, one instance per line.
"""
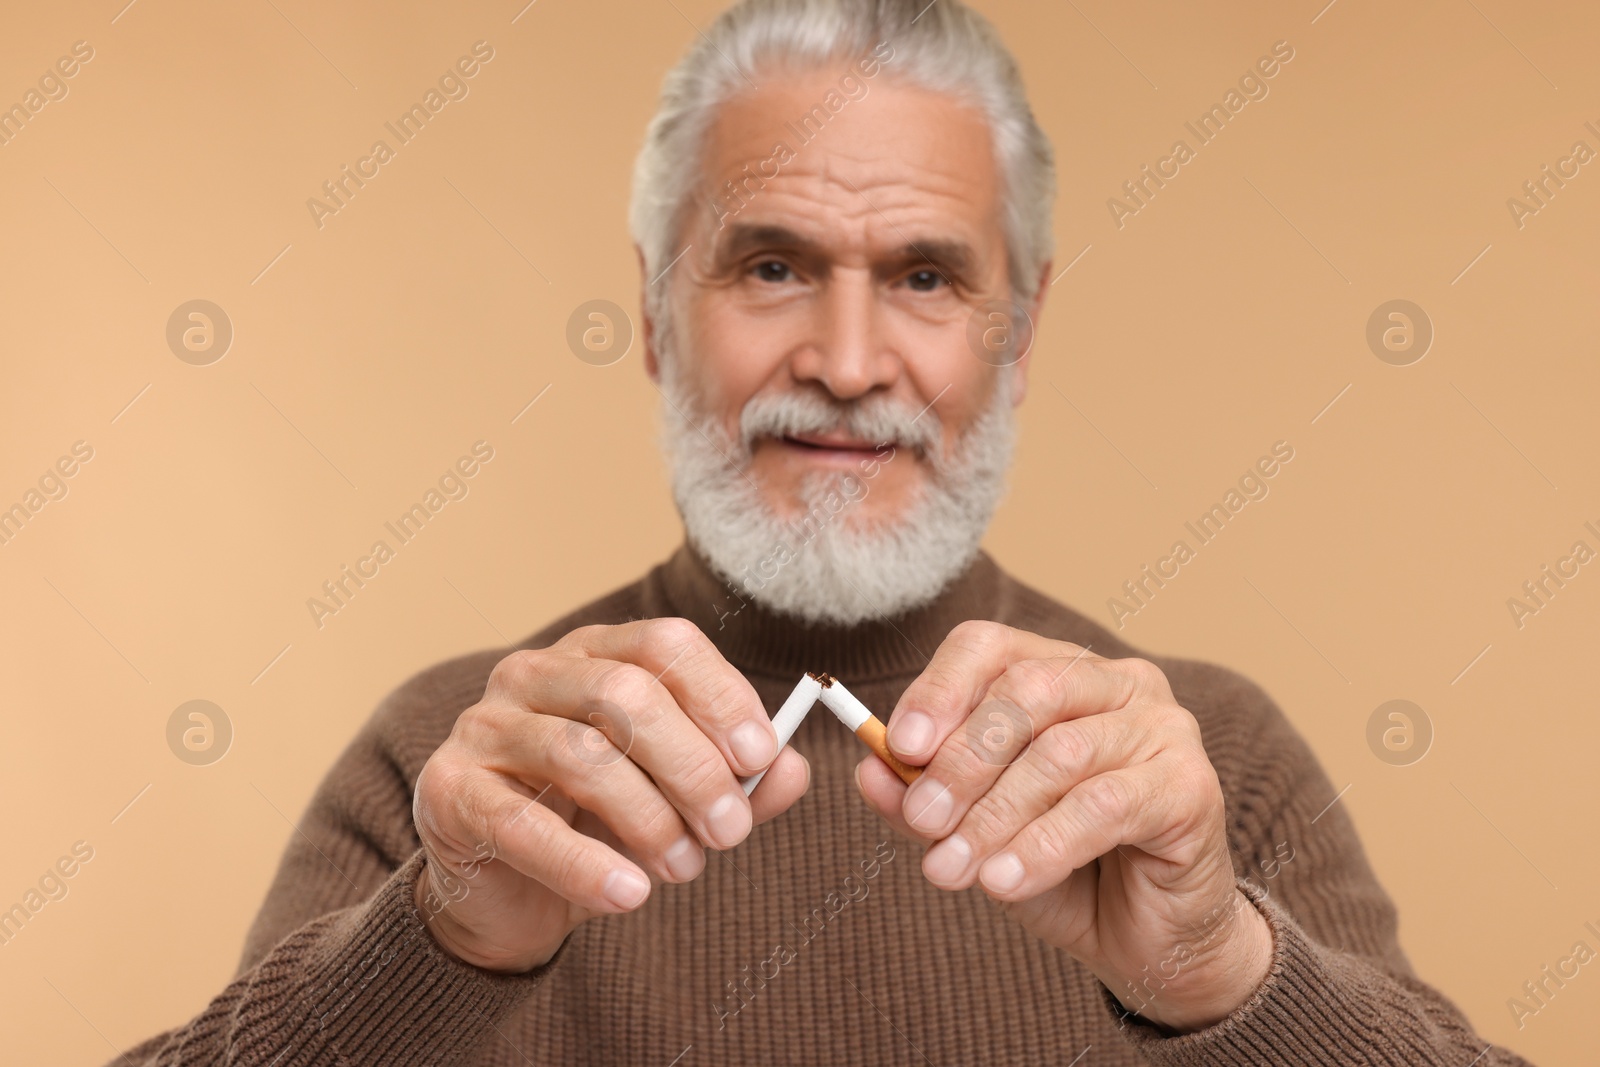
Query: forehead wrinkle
x=906 y=160
x=866 y=219
x=859 y=208
x=865 y=189
x=872 y=178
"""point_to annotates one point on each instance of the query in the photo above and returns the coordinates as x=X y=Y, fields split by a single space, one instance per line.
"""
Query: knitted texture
x=817 y=940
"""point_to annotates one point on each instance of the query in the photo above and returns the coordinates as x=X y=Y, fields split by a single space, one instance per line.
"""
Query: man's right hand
x=589 y=770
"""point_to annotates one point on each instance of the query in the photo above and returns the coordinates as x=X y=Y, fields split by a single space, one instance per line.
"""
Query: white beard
x=827 y=565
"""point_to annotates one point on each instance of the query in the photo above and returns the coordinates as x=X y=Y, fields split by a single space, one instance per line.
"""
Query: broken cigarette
x=867 y=726
x=788 y=719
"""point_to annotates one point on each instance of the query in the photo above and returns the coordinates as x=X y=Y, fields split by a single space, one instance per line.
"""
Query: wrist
x=461 y=943
x=1200 y=984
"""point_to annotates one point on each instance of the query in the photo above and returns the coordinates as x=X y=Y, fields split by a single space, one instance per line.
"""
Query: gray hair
x=943 y=46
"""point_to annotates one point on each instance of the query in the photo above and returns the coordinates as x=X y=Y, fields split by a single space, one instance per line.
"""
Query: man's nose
x=848 y=353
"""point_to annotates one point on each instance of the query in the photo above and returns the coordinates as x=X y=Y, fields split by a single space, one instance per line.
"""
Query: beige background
x=369 y=354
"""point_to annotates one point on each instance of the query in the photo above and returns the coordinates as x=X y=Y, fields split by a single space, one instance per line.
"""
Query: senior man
x=547 y=857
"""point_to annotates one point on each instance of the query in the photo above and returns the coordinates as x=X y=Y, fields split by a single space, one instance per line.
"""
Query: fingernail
x=947 y=861
x=928 y=805
x=686 y=859
x=728 y=820
x=1003 y=873
x=626 y=889
x=752 y=746
x=910 y=733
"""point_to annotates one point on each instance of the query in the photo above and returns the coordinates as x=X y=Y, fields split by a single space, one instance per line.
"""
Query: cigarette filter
x=866 y=725
x=788 y=719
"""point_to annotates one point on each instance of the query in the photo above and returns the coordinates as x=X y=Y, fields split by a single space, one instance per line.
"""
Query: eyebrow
x=743 y=238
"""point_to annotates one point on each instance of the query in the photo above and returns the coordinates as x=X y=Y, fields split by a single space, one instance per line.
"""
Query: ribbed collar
x=760 y=641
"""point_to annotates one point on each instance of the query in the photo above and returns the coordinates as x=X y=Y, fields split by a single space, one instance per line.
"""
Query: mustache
x=881 y=419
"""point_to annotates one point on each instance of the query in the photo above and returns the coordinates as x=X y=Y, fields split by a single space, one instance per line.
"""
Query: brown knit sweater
x=817 y=941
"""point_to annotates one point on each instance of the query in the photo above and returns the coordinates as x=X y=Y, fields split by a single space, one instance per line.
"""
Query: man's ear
x=647 y=326
x=1035 y=306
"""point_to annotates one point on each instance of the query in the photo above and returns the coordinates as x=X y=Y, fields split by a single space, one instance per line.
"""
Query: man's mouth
x=823 y=443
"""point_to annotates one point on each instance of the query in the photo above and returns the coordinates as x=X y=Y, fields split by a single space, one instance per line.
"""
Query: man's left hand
x=1076 y=792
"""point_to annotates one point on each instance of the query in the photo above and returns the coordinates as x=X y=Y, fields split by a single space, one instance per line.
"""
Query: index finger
x=956 y=680
x=711 y=692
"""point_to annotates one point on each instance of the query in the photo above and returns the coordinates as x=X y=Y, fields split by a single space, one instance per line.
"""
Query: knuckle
x=1184 y=721
x=1033 y=676
x=1011 y=686
x=1107 y=799
x=671 y=636
x=1135 y=667
x=994 y=817
x=1027 y=684
x=1140 y=667
x=968 y=630
x=450 y=807
x=973 y=752
x=1165 y=725
x=979 y=635
x=728 y=698
x=476 y=728
x=620 y=724
x=1198 y=778
x=567 y=870
x=518 y=671
x=441 y=779
x=948 y=684
x=656 y=825
x=581 y=635
x=998 y=732
x=1148 y=679
x=940 y=686
x=580 y=759
x=624 y=686
x=1048 y=842
x=1062 y=752
x=701 y=774
x=501 y=815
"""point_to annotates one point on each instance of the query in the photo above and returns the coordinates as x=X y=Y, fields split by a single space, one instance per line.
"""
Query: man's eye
x=772 y=270
x=924 y=281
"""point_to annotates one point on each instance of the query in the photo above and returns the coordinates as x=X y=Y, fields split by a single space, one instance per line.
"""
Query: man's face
x=852 y=273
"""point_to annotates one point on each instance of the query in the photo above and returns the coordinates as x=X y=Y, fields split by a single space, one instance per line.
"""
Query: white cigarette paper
x=788 y=719
x=845 y=707
x=865 y=725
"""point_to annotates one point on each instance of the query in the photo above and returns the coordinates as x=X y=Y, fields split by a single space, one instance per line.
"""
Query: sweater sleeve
x=338 y=968
x=1339 y=989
